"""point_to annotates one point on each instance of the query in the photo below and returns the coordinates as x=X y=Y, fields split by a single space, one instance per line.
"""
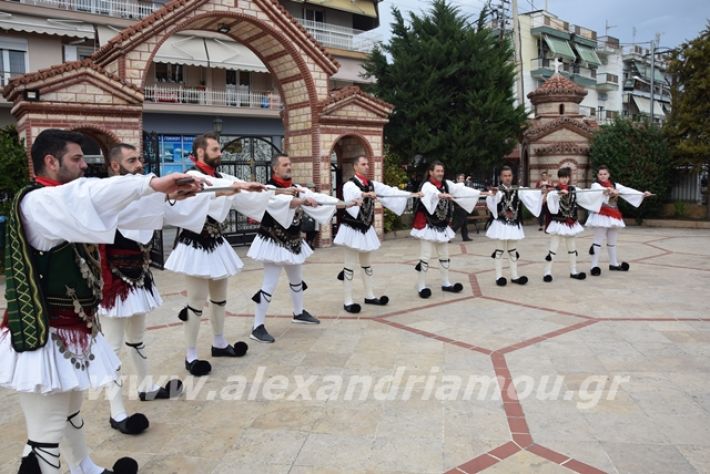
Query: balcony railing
x=606 y=77
x=115 y=8
x=202 y=96
x=340 y=37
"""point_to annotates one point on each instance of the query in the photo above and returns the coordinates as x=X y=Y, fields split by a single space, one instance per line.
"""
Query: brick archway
x=106 y=91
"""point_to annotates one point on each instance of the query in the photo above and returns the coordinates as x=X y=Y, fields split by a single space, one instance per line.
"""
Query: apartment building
x=641 y=75
x=592 y=62
x=199 y=81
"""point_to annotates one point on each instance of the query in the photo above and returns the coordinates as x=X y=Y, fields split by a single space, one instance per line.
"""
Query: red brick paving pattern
x=521 y=439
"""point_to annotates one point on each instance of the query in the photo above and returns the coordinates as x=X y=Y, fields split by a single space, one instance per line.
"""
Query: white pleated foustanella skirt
x=564 y=230
x=222 y=262
x=138 y=301
x=266 y=250
x=500 y=231
x=599 y=220
x=53 y=368
x=353 y=238
x=432 y=234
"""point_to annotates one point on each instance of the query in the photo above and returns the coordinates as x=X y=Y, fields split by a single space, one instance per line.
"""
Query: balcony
x=341 y=37
x=607 y=82
x=115 y=8
x=607 y=45
x=202 y=99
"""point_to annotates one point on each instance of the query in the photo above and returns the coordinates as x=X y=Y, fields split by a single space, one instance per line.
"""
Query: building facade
x=198 y=80
x=641 y=75
x=594 y=63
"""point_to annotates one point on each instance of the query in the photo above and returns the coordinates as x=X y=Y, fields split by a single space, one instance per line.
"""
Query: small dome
x=557 y=89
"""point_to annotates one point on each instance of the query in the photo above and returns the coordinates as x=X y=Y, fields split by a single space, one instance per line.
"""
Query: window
x=313 y=14
x=168 y=72
x=562 y=109
x=231 y=79
x=13 y=58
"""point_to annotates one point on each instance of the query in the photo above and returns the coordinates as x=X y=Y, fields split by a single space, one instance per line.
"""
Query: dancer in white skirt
x=279 y=244
x=562 y=203
x=51 y=350
x=357 y=233
x=129 y=290
x=432 y=216
x=607 y=222
x=506 y=228
x=206 y=258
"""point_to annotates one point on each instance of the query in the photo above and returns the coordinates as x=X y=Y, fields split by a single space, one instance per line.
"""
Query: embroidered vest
x=568 y=207
x=210 y=237
x=289 y=238
x=366 y=216
x=509 y=206
x=441 y=217
x=126 y=266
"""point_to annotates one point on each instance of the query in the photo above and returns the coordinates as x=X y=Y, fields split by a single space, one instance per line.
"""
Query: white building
x=592 y=62
x=637 y=85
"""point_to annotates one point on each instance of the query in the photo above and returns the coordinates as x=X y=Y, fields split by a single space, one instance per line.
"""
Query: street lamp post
x=217 y=126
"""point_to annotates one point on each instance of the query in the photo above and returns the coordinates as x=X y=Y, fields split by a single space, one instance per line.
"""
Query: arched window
x=562 y=109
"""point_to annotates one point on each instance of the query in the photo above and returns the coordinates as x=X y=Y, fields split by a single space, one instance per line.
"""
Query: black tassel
x=591 y=250
x=549 y=257
x=418 y=267
x=182 y=315
x=257 y=297
x=305 y=287
x=517 y=255
x=493 y=255
x=341 y=275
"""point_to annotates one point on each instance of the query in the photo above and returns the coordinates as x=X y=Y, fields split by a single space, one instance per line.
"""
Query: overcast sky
x=676 y=20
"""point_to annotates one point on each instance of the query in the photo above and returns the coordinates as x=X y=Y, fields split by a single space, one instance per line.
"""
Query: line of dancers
x=73 y=305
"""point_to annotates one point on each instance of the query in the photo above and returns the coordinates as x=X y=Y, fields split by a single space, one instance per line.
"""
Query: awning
x=644 y=106
x=186 y=50
x=359 y=7
x=224 y=54
x=350 y=70
x=46 y=26
x=196 y=51
x=645 y=71
x=588 y=55
x=560 y=48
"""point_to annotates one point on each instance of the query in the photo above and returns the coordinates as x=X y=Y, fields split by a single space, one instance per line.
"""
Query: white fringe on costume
x=47 y=370
x=598 y=220
x=565 y=230
x=266 y=250
x=356 y=240
x=138 y=301
x=499 y=231
x=433 y=235
x=222 y=262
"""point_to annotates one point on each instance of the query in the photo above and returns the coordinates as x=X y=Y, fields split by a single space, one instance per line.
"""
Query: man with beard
x=432 y=216
x=279 y=244
x=206 y=258
x=357 y=233
x=129 y=290
x=506 y=227
x=51 y=349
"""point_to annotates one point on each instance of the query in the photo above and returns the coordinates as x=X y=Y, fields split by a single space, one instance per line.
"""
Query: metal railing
x=115 y=8
x=202 y=96
x=340 y=37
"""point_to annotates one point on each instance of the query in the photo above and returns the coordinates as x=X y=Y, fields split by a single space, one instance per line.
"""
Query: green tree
x=688 y=127
x=14 y=173
x=638 y=156
x=451 y=82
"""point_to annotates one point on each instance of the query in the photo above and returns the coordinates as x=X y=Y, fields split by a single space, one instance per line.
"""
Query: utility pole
x=517 y=51
x=653 y=75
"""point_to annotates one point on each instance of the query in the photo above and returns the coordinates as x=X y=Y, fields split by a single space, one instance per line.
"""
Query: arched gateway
x=104 y=93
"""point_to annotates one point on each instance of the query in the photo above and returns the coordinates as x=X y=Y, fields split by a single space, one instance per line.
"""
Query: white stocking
x=364 y=258
x=425 y=251
x=218 y=303
x=297 y=287
x=552 y=252
x=599 y=236
x=351 y=259
x=197 y=289
x=263 y=297
x=442 y=250
x=113 y=329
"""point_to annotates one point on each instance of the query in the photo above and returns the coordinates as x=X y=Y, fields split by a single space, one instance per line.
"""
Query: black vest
x=568 y=206
x=366 y=216
x=289 y=238
x=210 y=237
x=441 y=217
x=509 y=206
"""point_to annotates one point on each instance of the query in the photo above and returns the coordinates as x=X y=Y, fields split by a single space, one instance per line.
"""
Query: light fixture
x=217 y=125
x=223 y=28
x=31 y=95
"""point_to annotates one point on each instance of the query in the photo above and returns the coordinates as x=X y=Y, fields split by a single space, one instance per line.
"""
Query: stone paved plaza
x=611 y=374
